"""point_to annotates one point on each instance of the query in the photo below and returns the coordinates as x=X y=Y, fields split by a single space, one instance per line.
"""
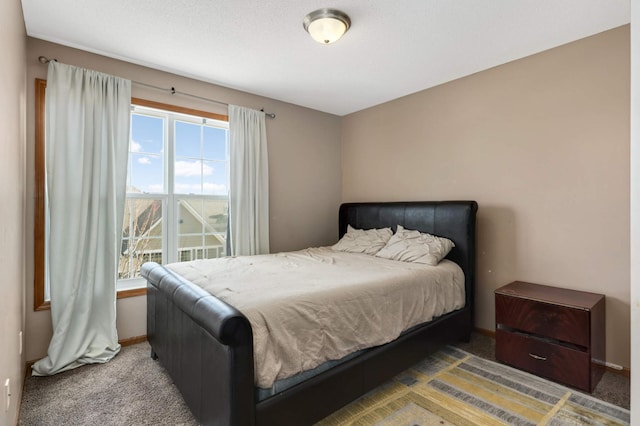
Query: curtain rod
x=172 y=90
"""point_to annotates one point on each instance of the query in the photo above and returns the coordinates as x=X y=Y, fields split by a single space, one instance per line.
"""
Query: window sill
x=134 y=292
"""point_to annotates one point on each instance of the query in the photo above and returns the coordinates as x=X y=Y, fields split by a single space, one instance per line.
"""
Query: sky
x=200 y=157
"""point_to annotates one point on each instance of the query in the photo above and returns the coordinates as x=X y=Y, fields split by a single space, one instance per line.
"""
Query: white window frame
x=169 y=198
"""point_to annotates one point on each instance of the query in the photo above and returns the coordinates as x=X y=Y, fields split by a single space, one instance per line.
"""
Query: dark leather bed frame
x=207 y=347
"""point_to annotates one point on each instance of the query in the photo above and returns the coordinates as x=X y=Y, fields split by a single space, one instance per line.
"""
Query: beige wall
x=635 y=212
x=542 y=144
x=304 y=169
x=12 y=194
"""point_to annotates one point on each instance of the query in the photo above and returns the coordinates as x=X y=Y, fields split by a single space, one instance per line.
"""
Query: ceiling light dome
x=326 y=25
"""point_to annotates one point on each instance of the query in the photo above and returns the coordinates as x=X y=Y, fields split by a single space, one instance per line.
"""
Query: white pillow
x=368 y=241
x=414 y=246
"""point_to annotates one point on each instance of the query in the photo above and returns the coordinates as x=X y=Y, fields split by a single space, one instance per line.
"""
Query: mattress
x=317 y=305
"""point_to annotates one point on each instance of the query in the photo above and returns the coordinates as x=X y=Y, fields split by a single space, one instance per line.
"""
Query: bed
x=206 y=345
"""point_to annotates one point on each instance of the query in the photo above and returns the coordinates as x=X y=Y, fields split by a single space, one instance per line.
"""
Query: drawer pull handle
x=538 y=357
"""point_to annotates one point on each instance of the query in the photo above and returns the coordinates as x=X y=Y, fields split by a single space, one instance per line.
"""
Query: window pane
x=215 y=180
x=146 y=164
x=215 y=143
x=187 y=139
x=145 y=173
x=202 y=226
x=141 y=235
x=147 y=134
x=188 y=176
x=216 y=216
x=190 y=217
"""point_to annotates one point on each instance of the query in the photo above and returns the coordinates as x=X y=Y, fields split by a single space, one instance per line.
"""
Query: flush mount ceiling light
x=326 y=25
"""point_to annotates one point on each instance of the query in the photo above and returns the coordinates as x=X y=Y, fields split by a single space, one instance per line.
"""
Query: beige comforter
x=315 y=305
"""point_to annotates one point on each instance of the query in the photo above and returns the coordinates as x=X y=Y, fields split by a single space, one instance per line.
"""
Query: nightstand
x=552 y=332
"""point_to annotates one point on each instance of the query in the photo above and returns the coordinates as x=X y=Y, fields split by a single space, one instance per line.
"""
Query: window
x=177 y=190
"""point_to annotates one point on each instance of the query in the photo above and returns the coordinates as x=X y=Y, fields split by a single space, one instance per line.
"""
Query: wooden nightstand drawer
x=553 y=321
x=555 y=362
x=554 y=332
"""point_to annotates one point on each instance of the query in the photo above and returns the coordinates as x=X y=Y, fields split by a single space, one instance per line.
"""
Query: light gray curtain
x=249 y=182
x=87 y=139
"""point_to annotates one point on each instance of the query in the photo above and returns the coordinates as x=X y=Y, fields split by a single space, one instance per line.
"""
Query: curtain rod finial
x=45 y=60
x=268 y=114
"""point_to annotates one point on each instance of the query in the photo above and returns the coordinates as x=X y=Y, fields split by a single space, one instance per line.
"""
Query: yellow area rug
x=453 y=387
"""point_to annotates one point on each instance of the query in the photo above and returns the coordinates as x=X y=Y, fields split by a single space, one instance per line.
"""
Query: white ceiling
x=393 y=48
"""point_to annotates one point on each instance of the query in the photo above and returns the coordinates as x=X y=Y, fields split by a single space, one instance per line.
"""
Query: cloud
x=191 y=188
x=208 y=188
x=192 y=168
x=135 y=147
x=144 y=160
x=215 y=188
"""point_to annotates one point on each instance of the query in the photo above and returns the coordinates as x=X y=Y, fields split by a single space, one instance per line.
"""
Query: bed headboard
x=455 y=220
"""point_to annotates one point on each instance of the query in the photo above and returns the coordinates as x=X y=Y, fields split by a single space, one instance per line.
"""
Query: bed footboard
x=205 y=345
